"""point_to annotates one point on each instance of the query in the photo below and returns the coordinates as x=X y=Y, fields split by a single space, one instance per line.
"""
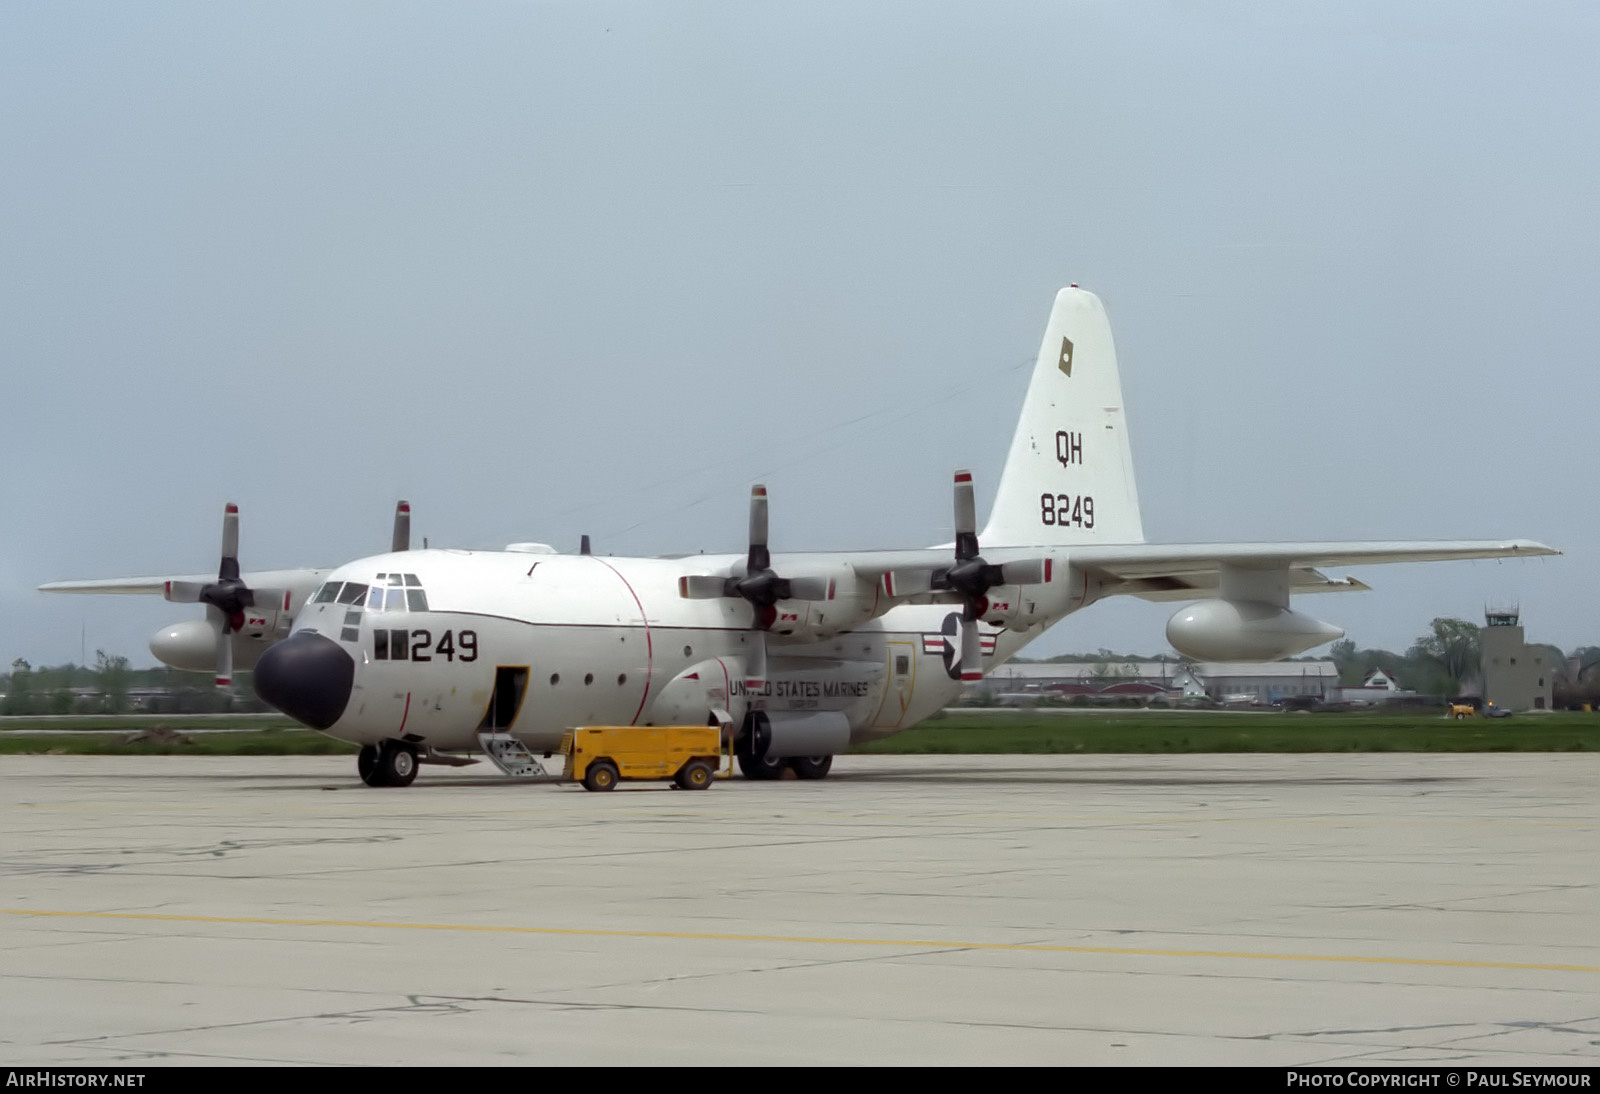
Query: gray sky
x=547 y=269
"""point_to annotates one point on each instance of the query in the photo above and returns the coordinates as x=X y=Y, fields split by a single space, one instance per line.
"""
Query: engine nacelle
x=190 y=645
x=1020 y=607
x=1245 y=630
x=851 y=602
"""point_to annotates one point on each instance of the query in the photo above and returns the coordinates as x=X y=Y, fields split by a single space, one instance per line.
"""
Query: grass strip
x=975 y=733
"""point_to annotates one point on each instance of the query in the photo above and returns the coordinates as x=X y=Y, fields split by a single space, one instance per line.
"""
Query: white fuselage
x=601 y=639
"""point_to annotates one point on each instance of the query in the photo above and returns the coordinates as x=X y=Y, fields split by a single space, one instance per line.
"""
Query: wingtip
x=1533 y=547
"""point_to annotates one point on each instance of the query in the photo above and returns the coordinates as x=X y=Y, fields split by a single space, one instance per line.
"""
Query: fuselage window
x=328 y=592
x=352 y=593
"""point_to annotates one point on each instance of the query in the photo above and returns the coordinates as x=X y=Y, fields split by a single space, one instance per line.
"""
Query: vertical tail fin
x=1069 y=475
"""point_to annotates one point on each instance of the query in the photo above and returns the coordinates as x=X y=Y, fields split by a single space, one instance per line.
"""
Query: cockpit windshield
x=387 y=593
x=397 y=593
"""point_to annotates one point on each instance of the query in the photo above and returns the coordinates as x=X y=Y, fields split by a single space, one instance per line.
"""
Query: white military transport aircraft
x=419 y=655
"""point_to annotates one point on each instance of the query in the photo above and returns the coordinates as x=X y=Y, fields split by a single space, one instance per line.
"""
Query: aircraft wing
x=1193 y=571
x=299 y=580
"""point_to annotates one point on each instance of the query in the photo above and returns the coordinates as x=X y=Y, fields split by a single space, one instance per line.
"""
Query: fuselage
x=600 y=640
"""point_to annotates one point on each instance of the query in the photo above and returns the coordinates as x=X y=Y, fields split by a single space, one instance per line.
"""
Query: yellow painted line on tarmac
x=920 y=943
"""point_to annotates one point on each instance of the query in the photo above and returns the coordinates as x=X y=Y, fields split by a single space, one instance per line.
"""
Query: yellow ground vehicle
x=601 y=756
x=1463 y=710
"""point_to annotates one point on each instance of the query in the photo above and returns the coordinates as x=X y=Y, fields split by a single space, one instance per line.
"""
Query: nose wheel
x=394 y=763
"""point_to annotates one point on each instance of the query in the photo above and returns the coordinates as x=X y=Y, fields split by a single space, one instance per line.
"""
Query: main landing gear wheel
x=602 y=775
x=367 y=765
x=396 y=765
x=811 y=767
x=765 y=768
x=752 y=747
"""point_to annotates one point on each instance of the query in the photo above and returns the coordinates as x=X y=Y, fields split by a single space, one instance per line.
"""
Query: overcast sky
x=547 y=269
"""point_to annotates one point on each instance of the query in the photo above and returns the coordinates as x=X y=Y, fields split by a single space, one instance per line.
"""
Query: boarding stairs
x=510 y=755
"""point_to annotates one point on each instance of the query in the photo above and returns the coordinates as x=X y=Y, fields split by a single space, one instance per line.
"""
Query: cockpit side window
x=417 y=599
x=352 y=593
x=394 y=600
x=328 y=592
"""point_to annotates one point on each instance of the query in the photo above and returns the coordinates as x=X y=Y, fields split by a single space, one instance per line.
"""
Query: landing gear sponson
x=754 y=763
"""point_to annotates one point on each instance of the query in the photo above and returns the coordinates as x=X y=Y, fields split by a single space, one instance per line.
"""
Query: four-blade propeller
x=968 y=580
x=760 y=585
x=227 y=597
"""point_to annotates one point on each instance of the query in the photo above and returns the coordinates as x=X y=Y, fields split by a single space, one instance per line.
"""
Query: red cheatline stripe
x=1049 y=564
x=649 y=642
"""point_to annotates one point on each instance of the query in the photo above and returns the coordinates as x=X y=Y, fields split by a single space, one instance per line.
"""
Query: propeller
x=227 y=597
x=760 y=586
x=969 y=579
x=402 y=527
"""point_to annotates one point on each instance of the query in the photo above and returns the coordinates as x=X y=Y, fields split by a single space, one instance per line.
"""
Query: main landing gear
x=393 y=763
x=772 y=767
x=754 y=763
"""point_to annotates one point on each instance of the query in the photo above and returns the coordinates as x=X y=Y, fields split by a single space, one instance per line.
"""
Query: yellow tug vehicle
x=602 y=756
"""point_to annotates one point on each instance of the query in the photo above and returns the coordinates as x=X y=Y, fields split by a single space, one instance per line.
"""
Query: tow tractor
x=601 y=756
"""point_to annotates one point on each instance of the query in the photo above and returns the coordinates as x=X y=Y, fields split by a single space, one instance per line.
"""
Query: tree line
x=110 y=686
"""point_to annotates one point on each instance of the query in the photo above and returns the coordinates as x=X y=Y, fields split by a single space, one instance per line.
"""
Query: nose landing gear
x=393 y=763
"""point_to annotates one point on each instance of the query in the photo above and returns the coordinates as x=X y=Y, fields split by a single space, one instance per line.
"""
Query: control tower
x=1515 y=676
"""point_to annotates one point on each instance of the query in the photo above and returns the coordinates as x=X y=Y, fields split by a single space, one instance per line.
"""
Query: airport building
x=1222 y=681
x=1516 y=676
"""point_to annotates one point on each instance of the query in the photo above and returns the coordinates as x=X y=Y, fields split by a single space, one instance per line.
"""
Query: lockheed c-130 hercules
x=420 y=655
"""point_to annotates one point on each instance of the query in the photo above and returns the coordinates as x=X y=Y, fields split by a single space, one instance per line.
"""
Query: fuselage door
x=901 y=684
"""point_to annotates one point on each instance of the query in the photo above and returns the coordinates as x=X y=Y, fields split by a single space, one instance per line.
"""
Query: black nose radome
x=308 y=677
